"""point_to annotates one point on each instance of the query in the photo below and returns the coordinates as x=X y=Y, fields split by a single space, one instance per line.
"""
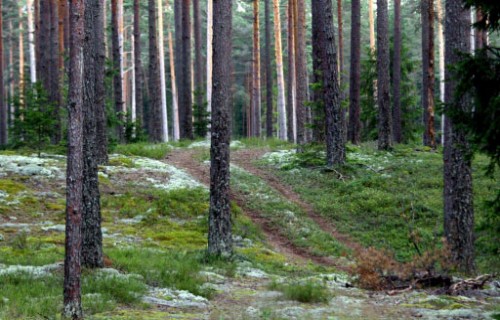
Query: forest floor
x=296 y=252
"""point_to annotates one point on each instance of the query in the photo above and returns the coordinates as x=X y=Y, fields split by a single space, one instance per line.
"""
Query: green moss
x=121 y=162
x=141 y=149
x=11 y=187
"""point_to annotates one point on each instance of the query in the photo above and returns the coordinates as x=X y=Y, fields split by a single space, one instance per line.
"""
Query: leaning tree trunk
x=185 y=98
x=219 y=226
x=301 y=71
x=74 y=174
x=154 y=77
x=396 y=73
x=334 y=124
x=92 y=256
x=354 y=130
x=428 y=72
x=256 y=84
x=282 y=118
x=269 y=75
x=458 y=197
x=291 y=76
x=383 y=75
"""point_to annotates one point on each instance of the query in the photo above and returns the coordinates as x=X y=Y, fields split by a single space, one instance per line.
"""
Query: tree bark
x=458 y=196
x=21 y=57
x=428 y=72
x=185 y=98
x=481 y=36
x=38 y=31
x=163 y=78
x=31 y=40
x=54 y=81
x=341 y=39
x=219 y=232
x=318 y=97
x=291 y=76
x=117 y=66
x=354 y=131
x=396 y=73
x=92 y=256
x=198 y=61
x=301 y=71
x=74 y=175
x=281 y=102
x=154 y=77
x=175 y=95
x=334 y=124
x=178 y=62
x=440 y=32
x=269 y=73
x=139 y=80
x=371 y=25
x=3 y=106
x=256 y=85
x=210 y=35
x=383 y=75
x=62 y=11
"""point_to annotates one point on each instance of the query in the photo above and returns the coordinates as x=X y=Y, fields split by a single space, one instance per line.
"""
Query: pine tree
x=268 y=71
x=354 y=130
x=154 y=77
x=428 y=72
x=396 y=73
x=3 y=106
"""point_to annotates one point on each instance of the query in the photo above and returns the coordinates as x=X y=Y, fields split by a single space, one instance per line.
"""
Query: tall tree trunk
x=163 y=78
x=318 y=97
x=54 y=81
x=21 y=57
x=178 y=62
x=281 y=102
x=101 y=122
x=396 y=73
x=256 y=93
x=210 y=35
x=175 y=95
x=383 y=77
x=139 y=81
x=301 y=71
x=291 y=76
x=458 y=197
x=219 y=225
x=334 y=124
x=65 y=6
x=74 y=175
x=198 y=62
x=117 y=66
x=3 y=106
x=62 y=36
x=92 y=256
x=354 y=131
x=269 y=73
x=31 y=40
x=481 y=38
x=154 y=77
x=440 y=32
x=341 y=39
x=38 y=31
x=428 y=72
x=371 y=25
x=185 y=100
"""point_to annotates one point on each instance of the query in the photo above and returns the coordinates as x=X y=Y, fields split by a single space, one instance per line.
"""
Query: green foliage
x=307 y=291
x=142 y=149
x=201 y=117
x=34 y=121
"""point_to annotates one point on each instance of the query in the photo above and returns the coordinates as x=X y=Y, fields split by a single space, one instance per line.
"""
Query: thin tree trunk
x=62 y=43
x=175 y=95
x=65 y=6
x=154 y=77
x=178 y=63
x=3 y=106
x=301 y=71
x=210 y=35
x=291 y=83
x=54 y=81
x=481 y=37
x=38 y=31
x=92 y=256
x=117 y=66
x=139 y=80
x=396 y=73
x=256 y=93
x=100 y=105
x=31 y=40
x=354 y=132
x=341 y=39
x=458 y=196
x=163 y=78
x=371 y=25
x=383 y=75
x=185 y=100
x=74 y=176
x=269 y=75
x=281 y=102
x=21 y=57
x=198 y=62
x=318 y=97
x=219 y=225
x=428 y=72
x=440 y=32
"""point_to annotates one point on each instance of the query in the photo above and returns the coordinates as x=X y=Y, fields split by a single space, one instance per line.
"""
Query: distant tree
x=301 y=71
x=198 y=72
x=255 y=113
x=117 y=66
x=396 y=74
x=383 y=78
x=282 y=116
x=458 y=196
x=428 y=72
x=3 y=106
x=291 y=75
x=354 y=130
x=269 y=72
x=219 y=228
x=185 y=94
x=74 y=175
x=139 y=79
x=154 y=77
